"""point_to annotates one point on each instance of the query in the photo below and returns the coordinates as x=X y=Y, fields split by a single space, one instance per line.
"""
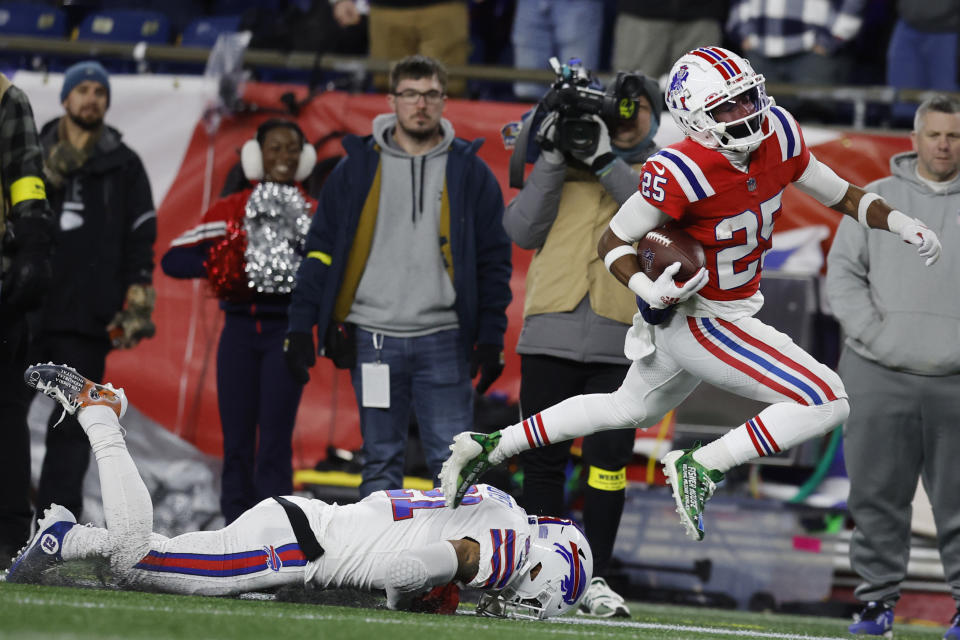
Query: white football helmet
x=551 y=579
x=701 y=81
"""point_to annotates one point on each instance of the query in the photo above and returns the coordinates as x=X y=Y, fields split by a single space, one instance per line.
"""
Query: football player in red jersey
x=723 y=185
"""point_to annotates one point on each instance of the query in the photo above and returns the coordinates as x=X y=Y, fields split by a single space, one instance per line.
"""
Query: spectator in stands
x=407 y=276
x=796 y=42
x=566 y=29
x=239 y=240
x=922 y=53
x=651 y=35
x=575 y=317
x=100 y=193
x=26 y=239
x=437 y=29
x=901 y=369
x=309 y=25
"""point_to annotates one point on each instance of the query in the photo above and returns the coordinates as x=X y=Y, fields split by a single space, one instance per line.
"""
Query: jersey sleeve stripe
x=508 y=558
x=787 y=133
x=494 y=558
x=688 y=175
x=200 y=233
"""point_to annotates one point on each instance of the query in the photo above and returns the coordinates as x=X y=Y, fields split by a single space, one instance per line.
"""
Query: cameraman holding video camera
x=575 y=314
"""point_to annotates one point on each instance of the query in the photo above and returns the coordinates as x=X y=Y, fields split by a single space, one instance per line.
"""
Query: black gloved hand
x=30 y=273
x=488 y=361
x=300 y=354
x=547 y=139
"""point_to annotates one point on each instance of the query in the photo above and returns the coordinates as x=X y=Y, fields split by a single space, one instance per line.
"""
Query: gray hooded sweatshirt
x=895 y=310
x=405 y=289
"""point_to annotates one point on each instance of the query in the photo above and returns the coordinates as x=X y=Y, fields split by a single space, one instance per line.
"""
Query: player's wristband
x=641 y=285
x=897 y=220
x=618 y=252
x=865 y=202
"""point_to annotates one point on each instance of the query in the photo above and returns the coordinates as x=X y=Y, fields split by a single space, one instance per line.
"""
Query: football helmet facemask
x=552 y=578
x=707 y=78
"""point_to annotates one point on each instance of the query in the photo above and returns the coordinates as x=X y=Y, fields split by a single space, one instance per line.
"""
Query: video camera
x=576 y=96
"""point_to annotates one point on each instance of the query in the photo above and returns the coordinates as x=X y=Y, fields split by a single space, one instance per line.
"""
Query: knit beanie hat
x=86 y=70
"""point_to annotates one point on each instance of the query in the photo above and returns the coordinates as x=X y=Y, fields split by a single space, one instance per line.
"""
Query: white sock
x=85 y=542
x=777 y=428
x=566 y=420
x=126 y=502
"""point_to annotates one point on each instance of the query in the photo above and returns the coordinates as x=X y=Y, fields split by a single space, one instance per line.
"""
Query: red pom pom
x=226 y=265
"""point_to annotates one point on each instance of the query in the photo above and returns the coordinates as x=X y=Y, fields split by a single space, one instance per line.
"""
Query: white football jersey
x=359 y=539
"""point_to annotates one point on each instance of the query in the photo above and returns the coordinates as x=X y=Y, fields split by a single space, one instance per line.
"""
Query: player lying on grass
x=723 y=185
x=406 y=542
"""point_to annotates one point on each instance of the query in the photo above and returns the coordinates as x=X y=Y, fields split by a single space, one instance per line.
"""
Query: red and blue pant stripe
x=224 y=565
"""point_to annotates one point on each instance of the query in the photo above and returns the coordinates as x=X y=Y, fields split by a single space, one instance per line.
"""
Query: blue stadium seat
x=25 y=19
x=203 y=32
x=179 y=12
x=122 y=25
x=233 y=7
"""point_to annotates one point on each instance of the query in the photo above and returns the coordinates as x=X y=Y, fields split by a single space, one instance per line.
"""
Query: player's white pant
x=256 y=551
x=745 y=357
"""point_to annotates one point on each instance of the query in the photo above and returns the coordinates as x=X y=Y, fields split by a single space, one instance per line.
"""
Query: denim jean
x=428 y=374
x=562 y=28
x=920 y=60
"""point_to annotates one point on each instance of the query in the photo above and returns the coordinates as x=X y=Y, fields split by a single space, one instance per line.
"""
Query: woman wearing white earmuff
x=248 y=246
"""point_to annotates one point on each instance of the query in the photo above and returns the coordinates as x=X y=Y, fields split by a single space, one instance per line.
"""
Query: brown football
x=668 y=244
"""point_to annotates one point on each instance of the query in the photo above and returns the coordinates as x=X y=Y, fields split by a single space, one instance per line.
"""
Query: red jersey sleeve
x=672 y=179
x=793 y=148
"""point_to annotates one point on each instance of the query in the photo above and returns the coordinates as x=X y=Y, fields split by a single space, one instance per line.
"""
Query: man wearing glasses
x=406 y=276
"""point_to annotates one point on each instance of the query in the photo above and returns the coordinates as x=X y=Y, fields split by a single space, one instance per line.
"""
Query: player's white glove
x=603 y=146
x=664 y=292
x=922 y=237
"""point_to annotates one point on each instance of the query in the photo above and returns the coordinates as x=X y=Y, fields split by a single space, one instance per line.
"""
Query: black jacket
x=106 y=227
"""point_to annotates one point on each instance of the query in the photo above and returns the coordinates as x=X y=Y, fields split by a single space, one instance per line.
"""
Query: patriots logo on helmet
x=575 y=581
x=677 y=86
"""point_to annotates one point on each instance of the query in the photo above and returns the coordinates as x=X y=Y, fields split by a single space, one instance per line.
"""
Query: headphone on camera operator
x=575 y=118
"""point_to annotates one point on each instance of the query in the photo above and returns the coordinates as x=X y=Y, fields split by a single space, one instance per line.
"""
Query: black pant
x=68 y=450
x=15 y=511
x=545 y=381
x=258 y=400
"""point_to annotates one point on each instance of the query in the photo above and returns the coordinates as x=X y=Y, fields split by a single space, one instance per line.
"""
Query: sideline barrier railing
x=858 y=96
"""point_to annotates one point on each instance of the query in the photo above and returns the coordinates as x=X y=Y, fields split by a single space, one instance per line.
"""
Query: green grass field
x=31 y=612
